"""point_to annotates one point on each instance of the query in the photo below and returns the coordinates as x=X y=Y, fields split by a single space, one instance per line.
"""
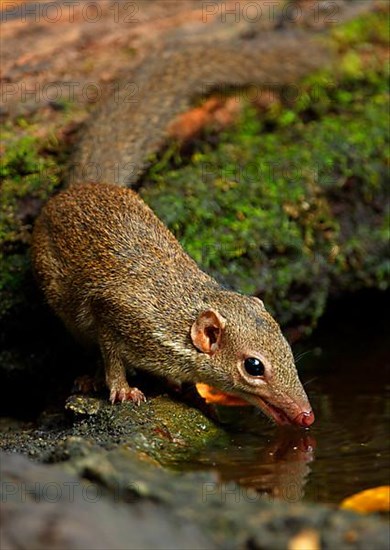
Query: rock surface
x=114 y=499
x=45 y=507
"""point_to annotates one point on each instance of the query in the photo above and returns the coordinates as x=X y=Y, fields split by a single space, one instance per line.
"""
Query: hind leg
x=87 y=383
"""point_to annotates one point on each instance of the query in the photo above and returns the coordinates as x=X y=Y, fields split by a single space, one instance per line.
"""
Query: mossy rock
x=166 y=430
x=29 y=176
x=291 y=205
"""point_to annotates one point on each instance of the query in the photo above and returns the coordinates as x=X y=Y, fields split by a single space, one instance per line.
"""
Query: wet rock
x=120 y=499
x=44 y=507
x=234 y=517
x=168 y=430
x=81 y=406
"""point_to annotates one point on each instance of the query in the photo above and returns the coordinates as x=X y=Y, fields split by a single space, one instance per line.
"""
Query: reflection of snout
x=304 y=419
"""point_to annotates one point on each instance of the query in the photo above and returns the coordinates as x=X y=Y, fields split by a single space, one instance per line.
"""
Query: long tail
x=118 y=141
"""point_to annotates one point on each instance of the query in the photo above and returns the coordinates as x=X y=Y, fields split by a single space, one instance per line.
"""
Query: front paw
x=126 y=394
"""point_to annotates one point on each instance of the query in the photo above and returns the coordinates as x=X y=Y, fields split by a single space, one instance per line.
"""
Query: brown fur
x=119 y=279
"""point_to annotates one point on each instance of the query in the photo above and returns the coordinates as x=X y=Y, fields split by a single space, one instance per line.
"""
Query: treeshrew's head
x=242 y=351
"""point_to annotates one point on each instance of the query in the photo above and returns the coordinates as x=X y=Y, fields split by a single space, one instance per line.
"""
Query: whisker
x=302 y=354
x=310 y=381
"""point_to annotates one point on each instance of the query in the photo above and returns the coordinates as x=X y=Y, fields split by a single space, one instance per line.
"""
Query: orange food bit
x=376 y=499
x=213 y=396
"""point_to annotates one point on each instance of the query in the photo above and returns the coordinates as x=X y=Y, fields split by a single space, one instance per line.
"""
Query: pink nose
x=305 y=419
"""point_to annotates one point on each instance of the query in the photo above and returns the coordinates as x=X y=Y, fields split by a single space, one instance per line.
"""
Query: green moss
x=292 y=204
x=289 y=204
x=370 y=28
x=167 y=430
x=29 y=175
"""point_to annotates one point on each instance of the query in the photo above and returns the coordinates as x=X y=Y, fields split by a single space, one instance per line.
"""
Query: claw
x=87 y=384
x=127 y=394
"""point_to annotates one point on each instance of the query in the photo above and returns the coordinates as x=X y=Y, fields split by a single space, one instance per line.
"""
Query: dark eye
x=254 y=366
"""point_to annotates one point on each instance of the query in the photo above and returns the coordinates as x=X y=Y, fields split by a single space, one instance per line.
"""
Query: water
x=347 y=450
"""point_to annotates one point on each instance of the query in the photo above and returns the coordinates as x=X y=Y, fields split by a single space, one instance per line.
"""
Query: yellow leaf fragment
x=376 y=499
x=213 y=396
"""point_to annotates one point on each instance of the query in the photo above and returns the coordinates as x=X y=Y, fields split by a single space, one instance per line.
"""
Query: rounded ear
x=258 y=301
x=206 y=332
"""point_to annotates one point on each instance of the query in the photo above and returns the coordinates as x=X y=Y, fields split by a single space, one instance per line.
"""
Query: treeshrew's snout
x=285 y=416
x=305 y=419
